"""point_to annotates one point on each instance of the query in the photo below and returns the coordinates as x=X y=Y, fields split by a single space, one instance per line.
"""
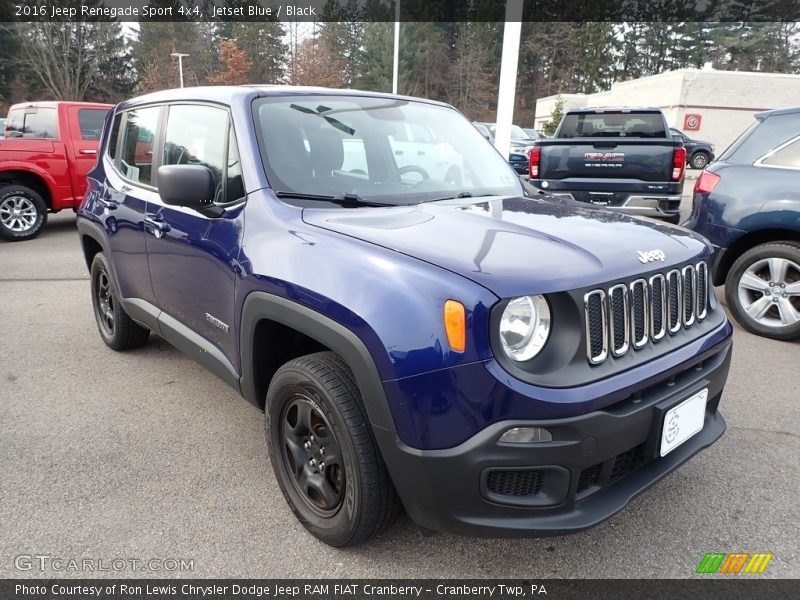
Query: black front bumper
x=594 y=466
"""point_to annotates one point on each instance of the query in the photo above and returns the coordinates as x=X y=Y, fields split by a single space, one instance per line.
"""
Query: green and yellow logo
x=735 y=562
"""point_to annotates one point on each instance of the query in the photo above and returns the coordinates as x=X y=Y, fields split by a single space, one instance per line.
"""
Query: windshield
x=377 y=149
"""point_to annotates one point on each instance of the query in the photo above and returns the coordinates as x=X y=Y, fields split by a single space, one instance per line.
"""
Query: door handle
x=157 y=222
x=88 y=151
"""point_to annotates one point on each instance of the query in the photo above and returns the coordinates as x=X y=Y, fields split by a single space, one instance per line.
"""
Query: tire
x=314 y=414
x=117 y=329
x=771 y=311
x=23 y=213
x=699 y=160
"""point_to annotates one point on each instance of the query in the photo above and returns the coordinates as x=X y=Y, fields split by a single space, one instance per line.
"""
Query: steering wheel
x=409 y=169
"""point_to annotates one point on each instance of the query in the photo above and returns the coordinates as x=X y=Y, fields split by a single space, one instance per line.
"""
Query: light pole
x=396 y=57
x=180 y=64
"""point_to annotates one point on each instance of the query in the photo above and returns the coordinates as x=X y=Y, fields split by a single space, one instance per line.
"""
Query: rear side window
x=32 y=123
x=613 y=124
x=90 y=121
x=761 y=138
x=786 y=156
x=113 y=137
x=138 y=140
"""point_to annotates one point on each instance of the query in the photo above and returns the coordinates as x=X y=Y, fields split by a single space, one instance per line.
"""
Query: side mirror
x=191 y=186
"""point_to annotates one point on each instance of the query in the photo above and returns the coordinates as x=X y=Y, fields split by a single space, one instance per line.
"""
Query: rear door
x=85 y=125
x=128 y=183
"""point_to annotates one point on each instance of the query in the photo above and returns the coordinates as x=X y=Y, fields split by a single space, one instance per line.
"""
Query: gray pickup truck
x=624 y=159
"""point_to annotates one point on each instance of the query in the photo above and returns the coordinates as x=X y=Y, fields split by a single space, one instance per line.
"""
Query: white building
x=707 y=104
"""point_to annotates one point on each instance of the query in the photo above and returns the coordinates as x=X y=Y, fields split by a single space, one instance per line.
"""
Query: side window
x=234 y=185
x=788 y=156
x=32 y=123
x=136 y=156
x=113 y=137
x=90 y=121
x=196 y=135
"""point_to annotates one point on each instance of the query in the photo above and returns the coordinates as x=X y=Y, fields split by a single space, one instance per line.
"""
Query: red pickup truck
x=47 y=151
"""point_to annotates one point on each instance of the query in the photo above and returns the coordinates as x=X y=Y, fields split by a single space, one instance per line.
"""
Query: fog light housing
x=526 y=435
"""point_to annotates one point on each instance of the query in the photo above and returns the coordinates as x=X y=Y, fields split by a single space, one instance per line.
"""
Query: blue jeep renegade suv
x=420 y=331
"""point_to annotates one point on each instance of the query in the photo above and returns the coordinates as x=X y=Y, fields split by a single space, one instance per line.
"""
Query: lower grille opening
x=515 y=483
x=588 y=477
x=628 y=462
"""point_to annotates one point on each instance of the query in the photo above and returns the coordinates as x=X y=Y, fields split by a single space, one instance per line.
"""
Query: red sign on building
x=692 y=122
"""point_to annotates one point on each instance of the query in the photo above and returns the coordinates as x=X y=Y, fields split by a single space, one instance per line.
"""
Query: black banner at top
x=409 y=10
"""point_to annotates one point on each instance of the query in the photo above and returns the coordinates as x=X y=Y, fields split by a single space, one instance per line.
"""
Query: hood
x=517 y=246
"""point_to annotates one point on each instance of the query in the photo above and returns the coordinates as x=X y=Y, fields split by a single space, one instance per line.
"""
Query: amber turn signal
x=455 y=324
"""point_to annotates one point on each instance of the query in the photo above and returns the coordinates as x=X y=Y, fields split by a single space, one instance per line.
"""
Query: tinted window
x=613 y=124
x=90 y=121
x=32 y=123
x=136 y=157
x=196 y=136
x=234 y=187
x=788 y=156
x=113 y=137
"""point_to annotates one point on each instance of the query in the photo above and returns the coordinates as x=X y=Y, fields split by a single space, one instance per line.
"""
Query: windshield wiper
x=345 y=200
x=461 y=195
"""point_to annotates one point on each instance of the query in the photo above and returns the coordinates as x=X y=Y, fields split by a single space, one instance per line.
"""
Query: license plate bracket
x=660 y=411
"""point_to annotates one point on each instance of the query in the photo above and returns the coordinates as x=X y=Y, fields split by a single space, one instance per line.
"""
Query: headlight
x=524 y=327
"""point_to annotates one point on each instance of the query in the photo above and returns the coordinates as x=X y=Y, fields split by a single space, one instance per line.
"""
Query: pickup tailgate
x=581 y=158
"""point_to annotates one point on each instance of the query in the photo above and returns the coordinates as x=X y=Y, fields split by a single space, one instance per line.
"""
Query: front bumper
x=594 y=466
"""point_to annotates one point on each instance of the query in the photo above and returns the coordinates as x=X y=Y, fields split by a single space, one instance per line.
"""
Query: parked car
x=698 y=152
x=748 y=204
x=494 y=363
x=2 y=128
x=619 y=158
x=49 y=148
x=533 y=134
x=521 y=145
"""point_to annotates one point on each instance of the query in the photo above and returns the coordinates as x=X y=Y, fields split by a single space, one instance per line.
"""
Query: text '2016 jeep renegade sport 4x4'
x=423 y=335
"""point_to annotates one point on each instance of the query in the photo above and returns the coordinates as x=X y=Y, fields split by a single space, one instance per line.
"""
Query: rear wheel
x=23 y=213
x=323 y=452
x=117 y=329
x=699 y=160
x=763 y=290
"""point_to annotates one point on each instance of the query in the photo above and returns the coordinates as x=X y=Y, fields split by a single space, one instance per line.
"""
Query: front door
x=193 y=258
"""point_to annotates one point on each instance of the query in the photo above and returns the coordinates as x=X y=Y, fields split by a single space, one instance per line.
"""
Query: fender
x=262 y=305
x=36 y=171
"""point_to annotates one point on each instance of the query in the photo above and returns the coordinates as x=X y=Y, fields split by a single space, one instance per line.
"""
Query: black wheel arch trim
x=334 y=335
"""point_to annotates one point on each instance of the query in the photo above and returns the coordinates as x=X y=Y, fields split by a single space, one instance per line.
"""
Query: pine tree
x=236 y=66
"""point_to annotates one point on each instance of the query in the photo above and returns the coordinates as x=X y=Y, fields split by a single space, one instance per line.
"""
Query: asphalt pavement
x=145 y=455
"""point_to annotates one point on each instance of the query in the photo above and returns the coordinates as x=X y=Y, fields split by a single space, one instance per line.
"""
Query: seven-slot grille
x=630 y=315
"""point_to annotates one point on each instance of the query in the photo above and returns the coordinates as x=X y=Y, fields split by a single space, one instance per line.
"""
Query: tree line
x=455 y=62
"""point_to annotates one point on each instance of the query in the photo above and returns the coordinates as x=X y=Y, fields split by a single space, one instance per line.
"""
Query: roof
x=56 y=103
x=600 y=109
x=227 y=94
x=789 y=110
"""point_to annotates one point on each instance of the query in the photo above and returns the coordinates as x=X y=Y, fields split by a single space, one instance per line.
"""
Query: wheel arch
x=39 y=182
x=747 y=241
x=264 y=314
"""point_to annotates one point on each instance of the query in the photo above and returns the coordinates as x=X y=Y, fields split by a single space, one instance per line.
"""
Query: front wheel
x=323 y=452
x=23 y=213
x=763 y=290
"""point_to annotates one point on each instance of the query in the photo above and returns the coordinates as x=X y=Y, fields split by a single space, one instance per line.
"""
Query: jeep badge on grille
x=651 y=255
